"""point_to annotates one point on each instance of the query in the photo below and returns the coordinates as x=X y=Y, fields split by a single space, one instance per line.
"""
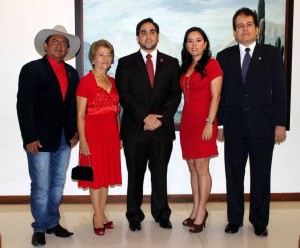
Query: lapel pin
x=161 y=60
x=259 y=58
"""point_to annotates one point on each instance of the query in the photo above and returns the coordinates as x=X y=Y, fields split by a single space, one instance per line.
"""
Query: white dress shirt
x=243 y=52
x=153 y=58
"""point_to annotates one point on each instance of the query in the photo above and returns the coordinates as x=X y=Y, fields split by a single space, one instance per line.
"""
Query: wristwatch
x=210 y=121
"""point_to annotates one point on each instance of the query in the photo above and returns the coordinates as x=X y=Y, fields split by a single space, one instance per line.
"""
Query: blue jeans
x=47 y=171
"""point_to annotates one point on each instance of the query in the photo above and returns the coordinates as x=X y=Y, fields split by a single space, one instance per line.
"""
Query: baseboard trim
x=182 y=198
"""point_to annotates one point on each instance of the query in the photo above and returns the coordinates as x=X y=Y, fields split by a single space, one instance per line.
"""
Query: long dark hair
x=186 y=57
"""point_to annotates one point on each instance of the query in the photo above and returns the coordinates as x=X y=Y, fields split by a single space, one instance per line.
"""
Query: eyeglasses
x=63 y=43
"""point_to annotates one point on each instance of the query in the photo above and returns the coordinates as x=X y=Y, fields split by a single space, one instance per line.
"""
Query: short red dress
x=197 y=99
x=102 y=132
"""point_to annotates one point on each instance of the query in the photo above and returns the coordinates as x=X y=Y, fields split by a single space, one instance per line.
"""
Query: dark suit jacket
x=139 y=99
x=259 y=104
x=41 y=110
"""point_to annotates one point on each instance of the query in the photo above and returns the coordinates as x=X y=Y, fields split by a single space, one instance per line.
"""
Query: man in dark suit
x=46 y=107
x=253 y=115
x=147 y=128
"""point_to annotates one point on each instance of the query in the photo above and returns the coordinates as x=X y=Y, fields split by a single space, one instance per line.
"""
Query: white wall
x=21 y=20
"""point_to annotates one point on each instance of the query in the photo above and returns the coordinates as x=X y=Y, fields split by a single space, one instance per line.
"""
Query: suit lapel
x=68 y=73
x=142 y=68
x=53 y=78
x=235 y=61
x=257 y=56
x=159 y=65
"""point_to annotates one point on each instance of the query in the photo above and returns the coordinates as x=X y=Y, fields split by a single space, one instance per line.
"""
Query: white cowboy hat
x=42 y=35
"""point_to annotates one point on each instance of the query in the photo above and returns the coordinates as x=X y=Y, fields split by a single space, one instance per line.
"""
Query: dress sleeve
x=82 y=89
x=213 y=69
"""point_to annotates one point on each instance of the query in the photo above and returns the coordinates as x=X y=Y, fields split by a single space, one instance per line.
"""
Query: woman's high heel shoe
x=188 y=222
x=109 y=225
x=98 y=231
x=195 y=228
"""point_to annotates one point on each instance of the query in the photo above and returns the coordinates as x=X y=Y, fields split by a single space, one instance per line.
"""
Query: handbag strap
x=89 y=162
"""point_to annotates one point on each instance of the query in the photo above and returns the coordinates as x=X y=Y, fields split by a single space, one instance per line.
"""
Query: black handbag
x=83 y=172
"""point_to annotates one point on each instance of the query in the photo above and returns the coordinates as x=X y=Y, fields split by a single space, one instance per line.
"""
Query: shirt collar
x=242 y=48
x=54 y=63
x=153 y=53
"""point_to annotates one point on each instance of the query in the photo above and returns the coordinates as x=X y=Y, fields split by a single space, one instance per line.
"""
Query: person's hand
x=207 y=132
x=280 y=134
x=33 y=147
x=152 y=122
x=220 y=136
x=84 y=148
x=152 y=128
x=74 y=140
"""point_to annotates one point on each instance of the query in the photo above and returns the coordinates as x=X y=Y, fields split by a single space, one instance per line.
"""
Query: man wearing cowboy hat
x=46 y=107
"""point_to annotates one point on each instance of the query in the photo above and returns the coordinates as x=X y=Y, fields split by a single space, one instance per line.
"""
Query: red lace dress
x=197 y=99
x=102 y=132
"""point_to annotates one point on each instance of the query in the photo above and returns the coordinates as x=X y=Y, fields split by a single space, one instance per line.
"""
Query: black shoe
x=135 y=226
x=165 y=224
x=38 y=238
x=232 y=228
x=59 y=231
x=260 y=230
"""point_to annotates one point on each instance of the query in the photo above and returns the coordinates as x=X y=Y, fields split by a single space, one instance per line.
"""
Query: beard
x=148 y=47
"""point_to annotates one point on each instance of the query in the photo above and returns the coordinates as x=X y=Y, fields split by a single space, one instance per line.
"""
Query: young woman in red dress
x=201 y=82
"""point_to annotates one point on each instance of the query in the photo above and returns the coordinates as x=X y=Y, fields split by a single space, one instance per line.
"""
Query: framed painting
x=116 y=21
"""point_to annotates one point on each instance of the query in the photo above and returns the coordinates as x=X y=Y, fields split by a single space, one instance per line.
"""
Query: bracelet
x=210 y=121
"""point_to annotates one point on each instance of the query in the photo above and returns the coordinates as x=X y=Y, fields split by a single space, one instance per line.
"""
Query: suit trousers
x=157 y=155
x=260 y=152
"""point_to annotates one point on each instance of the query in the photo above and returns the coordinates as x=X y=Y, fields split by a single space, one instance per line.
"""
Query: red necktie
x=150 y=69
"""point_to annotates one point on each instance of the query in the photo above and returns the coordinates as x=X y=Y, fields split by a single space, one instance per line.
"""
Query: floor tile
x=284 y=228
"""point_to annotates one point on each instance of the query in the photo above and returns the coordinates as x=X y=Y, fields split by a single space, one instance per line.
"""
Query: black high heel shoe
x=195 y=228
x=188 y=222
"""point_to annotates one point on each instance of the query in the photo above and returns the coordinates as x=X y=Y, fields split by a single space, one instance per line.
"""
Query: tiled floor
x=284 y=228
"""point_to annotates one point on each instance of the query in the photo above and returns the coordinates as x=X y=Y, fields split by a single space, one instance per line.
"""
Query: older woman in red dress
x=98 y=126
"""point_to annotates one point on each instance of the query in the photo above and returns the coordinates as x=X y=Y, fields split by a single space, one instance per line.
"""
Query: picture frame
x=84 y=8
